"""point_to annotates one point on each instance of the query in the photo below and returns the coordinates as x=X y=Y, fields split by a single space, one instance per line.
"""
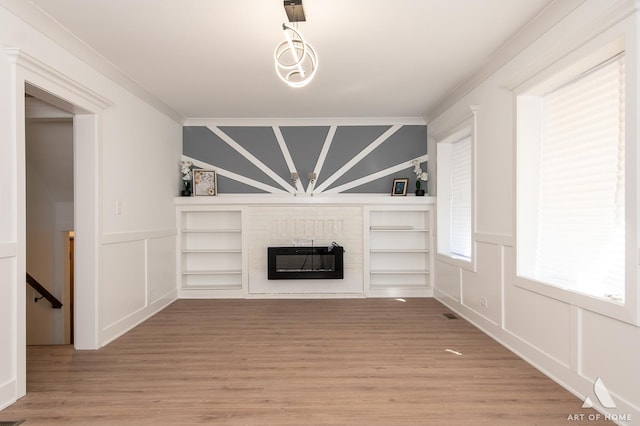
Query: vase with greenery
x=187 y=178
x=421 y=176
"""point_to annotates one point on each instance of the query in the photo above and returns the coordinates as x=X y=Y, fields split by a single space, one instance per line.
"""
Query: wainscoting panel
x=481 y=289
x=138 y=279
x=161 y=267
x=8 y=306
x=602 y=332
x=447 y=280
x=523 y=317
x=123 y=289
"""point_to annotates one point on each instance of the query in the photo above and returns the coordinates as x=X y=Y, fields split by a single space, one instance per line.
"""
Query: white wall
x=572 y=345
x=139 y=154
x=135 y=145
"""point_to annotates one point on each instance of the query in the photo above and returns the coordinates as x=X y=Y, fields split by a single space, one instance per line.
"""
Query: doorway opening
x=36 y=78
x=49 y=171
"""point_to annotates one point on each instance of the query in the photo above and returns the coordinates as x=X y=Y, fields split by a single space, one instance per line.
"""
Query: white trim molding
x=26 y=61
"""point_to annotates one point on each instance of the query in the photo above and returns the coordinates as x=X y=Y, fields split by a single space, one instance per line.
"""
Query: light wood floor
x=256 y=362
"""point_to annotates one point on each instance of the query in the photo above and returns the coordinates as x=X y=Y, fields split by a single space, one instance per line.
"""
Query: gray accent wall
x=202 y=144
x=347 y=143
x=305 y=144
x=262 y=143
x=239 y=172
x=407 y=143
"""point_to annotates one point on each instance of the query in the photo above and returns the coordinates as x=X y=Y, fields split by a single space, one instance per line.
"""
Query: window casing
x=455 y=190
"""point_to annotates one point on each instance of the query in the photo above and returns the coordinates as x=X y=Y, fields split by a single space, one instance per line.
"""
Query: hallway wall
x=134 y=142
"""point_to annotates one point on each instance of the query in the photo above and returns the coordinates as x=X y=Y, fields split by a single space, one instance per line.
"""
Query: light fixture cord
x=295 y=18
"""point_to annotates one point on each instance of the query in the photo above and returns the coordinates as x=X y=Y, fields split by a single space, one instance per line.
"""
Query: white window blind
x=460 y=235
x=581 y=228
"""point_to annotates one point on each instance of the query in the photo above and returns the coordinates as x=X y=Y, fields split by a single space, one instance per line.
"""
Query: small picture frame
x=399 y=186
x=204 y=182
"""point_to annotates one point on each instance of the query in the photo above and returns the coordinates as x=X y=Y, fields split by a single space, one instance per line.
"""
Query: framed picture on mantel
x=204 y=182
x=399 y=186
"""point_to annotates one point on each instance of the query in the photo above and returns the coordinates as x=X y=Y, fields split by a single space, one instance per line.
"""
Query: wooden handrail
x=55 y=303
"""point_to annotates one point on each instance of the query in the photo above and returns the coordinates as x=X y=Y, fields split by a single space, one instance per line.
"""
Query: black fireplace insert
x=286 y=263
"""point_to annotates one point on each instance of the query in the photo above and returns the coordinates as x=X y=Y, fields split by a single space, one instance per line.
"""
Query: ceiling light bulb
x=296 y=61
x=294 y=52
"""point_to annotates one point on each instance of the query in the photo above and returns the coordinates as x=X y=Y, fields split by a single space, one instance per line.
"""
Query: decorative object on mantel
x=187 y=177
x=420 y=176
x=400 y=186
x=204 y=182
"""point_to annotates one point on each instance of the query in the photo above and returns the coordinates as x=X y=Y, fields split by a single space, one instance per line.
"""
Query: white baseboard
x=580 y=386
x=7 y=394
x=116 y=330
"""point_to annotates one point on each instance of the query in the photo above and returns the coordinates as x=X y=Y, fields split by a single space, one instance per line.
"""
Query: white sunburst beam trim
x=287 y=155
x=253 y=159
x=321 y=157
x=377 y=175
x=355 y=160
x=231 y=175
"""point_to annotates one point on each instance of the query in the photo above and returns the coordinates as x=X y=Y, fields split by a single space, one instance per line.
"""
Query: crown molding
x=43 y=23
x=543 y=22
x=586 y=32
x=335 y=121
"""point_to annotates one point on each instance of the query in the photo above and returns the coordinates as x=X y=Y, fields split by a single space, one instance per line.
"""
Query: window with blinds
x=580 y=242
x=454 y=185
x=460 y=210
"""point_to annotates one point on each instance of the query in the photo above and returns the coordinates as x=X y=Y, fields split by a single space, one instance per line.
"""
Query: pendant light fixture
x=296 y=61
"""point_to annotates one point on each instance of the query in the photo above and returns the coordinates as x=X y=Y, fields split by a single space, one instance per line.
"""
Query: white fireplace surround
x=222 y=244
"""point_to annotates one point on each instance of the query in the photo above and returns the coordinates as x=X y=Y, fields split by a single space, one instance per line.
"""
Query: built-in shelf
x=222 y=243
x=210 y=243
x=392 y=228
x=399 y=250
x=213 y=272
x=211 y=231
x=399 y=258
x=211 y=251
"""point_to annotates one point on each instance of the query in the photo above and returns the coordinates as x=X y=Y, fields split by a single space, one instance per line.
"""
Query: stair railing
x=55 y=303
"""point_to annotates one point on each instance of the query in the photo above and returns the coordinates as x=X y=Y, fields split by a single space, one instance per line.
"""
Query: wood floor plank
x=255 y=362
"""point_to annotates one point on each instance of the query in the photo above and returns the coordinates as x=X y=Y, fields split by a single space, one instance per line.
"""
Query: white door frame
x=86 y=105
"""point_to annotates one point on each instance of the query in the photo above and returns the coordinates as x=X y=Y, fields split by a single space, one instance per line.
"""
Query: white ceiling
x=214 y=58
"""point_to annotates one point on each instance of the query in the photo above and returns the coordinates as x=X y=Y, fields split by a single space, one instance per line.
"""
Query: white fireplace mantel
x=222 y=244
x=305 y=199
